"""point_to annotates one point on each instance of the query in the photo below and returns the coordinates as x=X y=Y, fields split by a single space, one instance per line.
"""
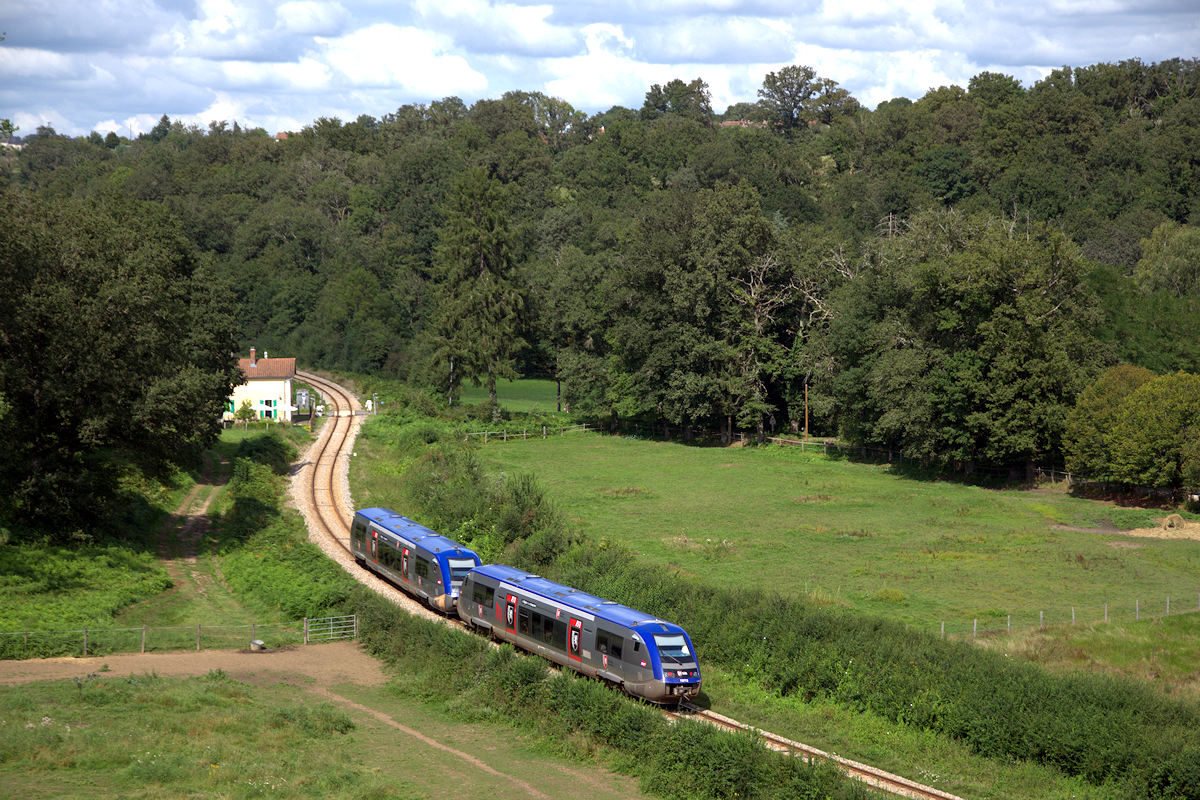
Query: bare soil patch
x=335 y=662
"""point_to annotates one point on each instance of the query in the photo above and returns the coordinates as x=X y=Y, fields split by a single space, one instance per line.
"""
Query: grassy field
x=921 y=551
x=218 y=737
x=528 y=395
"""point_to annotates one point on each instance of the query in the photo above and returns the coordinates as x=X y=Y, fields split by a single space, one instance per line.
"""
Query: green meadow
x=528 y=395
x=865 y=536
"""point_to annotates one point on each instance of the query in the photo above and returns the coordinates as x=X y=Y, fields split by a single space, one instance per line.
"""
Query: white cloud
x=43 y=65
x=286 y=62
x=403 y=58
x=482 y=26
x=309 y=17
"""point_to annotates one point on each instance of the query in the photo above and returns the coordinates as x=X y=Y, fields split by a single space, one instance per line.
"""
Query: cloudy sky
x=82 y=65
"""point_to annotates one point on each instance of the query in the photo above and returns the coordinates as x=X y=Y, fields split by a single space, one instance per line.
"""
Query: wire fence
x=539 y=432
x=159 y=638
x=1144 y=610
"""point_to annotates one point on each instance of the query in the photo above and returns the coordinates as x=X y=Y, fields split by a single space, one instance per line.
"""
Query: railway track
x=324 y=488
x=872 y=776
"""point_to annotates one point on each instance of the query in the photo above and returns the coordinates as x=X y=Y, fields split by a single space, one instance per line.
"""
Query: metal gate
x=329 y=629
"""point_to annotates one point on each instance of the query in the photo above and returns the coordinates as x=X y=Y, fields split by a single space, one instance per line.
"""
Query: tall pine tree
x=478 y=320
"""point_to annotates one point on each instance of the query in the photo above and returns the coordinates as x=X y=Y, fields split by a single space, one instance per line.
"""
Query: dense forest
x=943 y=276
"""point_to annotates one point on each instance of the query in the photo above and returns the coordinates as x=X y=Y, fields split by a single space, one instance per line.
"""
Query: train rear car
x=646 y=656
x=420 y=561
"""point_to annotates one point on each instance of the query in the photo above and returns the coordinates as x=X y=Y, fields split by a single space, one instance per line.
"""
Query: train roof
x=568 y=596
x=416 y=533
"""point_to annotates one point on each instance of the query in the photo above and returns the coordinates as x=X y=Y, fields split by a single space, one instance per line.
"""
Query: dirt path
x=336 y=662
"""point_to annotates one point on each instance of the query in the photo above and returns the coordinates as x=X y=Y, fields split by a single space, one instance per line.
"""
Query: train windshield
x=673 y=646
x=459 y=567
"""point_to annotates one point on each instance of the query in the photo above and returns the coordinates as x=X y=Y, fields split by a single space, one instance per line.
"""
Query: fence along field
x=160 y=638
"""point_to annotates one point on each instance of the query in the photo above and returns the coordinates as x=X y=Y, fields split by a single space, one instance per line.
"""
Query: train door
x=375 y=546
x=404 y=564
x=575 y=639
x=510 y=613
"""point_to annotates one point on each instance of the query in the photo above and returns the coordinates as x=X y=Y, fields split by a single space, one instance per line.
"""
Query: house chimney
x=253 y=360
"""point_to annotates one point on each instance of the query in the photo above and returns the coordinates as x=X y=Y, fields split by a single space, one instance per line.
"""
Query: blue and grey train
x=423 y=563
x=643 y=655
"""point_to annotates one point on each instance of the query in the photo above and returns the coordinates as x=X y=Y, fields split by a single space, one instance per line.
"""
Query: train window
x=609 y=643
x=459 y=567
x=673 y=646
x=483 y=595
x=523 y=621
x=422 y=567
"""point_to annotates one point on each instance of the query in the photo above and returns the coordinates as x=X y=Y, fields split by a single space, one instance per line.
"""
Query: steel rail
x=872 y=776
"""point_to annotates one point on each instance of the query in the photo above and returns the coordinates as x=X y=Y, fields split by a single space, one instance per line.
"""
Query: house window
x=269 y=411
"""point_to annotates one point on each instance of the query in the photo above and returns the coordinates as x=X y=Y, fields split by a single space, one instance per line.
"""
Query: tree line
x=943 y=276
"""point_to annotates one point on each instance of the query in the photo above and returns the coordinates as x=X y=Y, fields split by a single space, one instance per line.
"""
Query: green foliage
x=685 y=760
x=966 y=341
x=112 y=340
x=269 y=449
x=1088 y=440
x=265 y=553
x=1171 y=260
x=479 y=305
x=57 y=588
x=1156 y=441
x=615 y=245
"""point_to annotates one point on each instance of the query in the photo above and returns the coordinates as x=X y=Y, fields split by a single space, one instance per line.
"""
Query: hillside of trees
x=942 y=276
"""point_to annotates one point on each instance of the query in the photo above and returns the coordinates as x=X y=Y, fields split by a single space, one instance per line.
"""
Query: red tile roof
x=268 y=368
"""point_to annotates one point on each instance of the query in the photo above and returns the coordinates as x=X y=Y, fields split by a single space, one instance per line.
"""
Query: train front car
x=677 y=672
x=420 y=561
x=642 y=654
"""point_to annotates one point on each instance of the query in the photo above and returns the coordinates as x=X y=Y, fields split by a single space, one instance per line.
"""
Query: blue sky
x=82 y=65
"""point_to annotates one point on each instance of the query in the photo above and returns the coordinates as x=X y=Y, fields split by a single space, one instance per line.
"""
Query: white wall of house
x=271 y=398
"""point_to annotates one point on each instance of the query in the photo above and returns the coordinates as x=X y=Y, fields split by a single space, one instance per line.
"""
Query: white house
x=268 y=387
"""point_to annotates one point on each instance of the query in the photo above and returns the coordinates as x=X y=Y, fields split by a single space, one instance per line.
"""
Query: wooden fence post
x=1041 y=618
x=85 y=641
x=306 y=630
x=197 y=635
x=1009 y=626
x=1137 y=611
x=143 y=638
x=943 y=629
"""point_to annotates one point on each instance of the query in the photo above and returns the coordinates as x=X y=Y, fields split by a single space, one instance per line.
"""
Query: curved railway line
x=321 y=489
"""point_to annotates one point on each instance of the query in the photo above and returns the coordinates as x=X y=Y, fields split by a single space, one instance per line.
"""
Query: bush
x=269 y=449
